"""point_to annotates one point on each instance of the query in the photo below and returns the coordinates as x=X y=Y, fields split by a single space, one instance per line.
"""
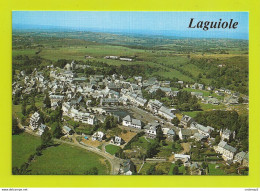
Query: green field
x=66 y=159
x=23 y=145
x=192 y=113
x=61 y=159
x=145 y=167
x=112 y=149
x=215 y=171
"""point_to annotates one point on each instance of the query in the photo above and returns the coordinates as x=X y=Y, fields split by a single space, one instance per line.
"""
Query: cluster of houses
x=37 y=125
x=74 y=94
x=202 y=133
x=79 y=116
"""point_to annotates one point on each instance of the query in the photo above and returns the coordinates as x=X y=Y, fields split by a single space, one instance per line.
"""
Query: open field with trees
x=56 y=159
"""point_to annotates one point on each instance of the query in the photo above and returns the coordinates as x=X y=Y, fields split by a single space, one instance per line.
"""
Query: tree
x=47 y=101
x=24 y=108
x=175 y=170
x=176 y=137
x=151 y=170
x=178 y=162
x=204 y=165
x=15 y=128
x=57 y=133
x=175 y=121
x=152 y=149
x=240 y=100
x=46 y=137
x=159 y=94
x=196 y=107
x=217 y=139
x=159 y=134
x=110 y=122
x=33 y=107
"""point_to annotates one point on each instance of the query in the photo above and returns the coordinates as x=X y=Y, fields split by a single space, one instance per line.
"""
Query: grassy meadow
x=61 y=159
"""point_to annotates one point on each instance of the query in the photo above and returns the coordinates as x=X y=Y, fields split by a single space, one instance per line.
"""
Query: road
x=148 y=117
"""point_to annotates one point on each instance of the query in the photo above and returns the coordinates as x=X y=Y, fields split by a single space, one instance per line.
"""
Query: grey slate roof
x=222 y=144
x=127 y=118
x=136 y=122
x=171 y=132
x=66 y=128
x=187 y=132
x=230 y=148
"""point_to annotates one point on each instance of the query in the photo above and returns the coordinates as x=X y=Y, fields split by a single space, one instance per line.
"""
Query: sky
x=149 y=23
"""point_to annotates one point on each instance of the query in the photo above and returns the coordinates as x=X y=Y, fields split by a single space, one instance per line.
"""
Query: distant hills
x=170 y=34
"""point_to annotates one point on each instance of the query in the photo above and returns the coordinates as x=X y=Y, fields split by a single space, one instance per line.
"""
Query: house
x=198 y=86
x=213 y=101
x=109 y=101
x=226 y=150
x=166 y=83
x=197 y=94
x=227 y=91
x=225 y=134
x=231 y=100
x=127 y=167
x=123 y=100
x=76 y=101
x=41 y=129
x=167 y=91
x=210 y=88
x=35 y=121
x=166 y=113
x=200 y=137
x=126 y=59
x=169 y=133
x=245 y=160
x=195 y=169
x=151 y=81
x=117 y=141
x=239 y=157
x=66 y=130
x=185 y=133
x=154 y=105
x=202 y=129
x=186 y=162
x=186 y=121
x=111 y=57
x=66 y=108
x=138 y=78
x=88 y=118
x=140 y=101
x=98 y=136
x=131 y=122
x=56 y=98
x=150 y=130
x=181 y=157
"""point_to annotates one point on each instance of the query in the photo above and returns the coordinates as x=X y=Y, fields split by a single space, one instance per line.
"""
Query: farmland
x=169 y=61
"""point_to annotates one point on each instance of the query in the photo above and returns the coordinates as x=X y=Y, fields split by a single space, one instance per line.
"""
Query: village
x=111 y=115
